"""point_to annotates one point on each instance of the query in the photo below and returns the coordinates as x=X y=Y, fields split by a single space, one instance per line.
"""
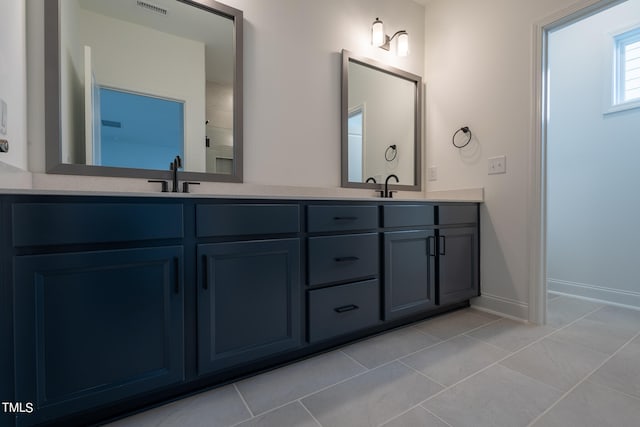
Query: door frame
x=537 y=203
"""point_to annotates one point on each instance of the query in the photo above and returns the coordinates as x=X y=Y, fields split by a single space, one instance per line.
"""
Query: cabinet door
x=248 y=301
x=458 y=278
x=409 y=276
x=95 y=327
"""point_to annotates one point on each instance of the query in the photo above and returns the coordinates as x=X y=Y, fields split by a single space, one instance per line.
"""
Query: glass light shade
x=402 y=47
x=377 y=33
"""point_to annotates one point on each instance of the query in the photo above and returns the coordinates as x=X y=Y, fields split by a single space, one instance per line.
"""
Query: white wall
x=292 y=84
x=479 y=73
x=13 y=84
x=593 y=172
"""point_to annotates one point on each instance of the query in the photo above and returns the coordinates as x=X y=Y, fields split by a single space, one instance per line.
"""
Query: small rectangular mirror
x=381 y=125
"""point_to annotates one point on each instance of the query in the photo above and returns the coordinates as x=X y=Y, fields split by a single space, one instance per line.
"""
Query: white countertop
x=22 y=182
x=441 y=196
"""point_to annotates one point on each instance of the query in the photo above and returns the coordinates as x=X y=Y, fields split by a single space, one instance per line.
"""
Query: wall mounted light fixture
x=383 y=41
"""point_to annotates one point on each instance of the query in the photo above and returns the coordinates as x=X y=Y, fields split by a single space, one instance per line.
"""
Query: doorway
x=566 y=111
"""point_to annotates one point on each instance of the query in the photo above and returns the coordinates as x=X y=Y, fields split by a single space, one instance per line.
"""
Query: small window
x=627 y=67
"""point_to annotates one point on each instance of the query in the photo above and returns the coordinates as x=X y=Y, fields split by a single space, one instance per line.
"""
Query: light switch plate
x=432 y=173
x=497 y=165
x=3 y=117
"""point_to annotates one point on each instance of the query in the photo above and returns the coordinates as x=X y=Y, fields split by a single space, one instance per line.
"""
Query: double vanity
x=114 y=303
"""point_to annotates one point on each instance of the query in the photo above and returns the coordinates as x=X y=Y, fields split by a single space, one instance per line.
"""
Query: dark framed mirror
x=131 y=84
x=381 y=125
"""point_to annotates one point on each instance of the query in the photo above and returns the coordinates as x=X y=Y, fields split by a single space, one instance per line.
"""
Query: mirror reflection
x=381 y=133
x=142 y=82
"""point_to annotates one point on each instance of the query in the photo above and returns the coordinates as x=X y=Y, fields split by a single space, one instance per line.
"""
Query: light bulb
x=377 y=33
x=402 y=45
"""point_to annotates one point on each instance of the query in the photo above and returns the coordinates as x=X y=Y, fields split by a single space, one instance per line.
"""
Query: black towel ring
x=394 y=153
x=466 y=131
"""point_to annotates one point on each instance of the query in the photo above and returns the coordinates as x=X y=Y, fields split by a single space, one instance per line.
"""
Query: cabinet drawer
x=341 y=218
x=336 y=258
x=343 y=309
x=246 y=219
x=461 y=214
x=76 y=223
x=408 y=215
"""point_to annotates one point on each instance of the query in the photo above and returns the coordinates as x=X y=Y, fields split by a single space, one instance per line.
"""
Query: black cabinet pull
x=345 y=218
x=346 y=308
x=205 y=285
x=442 y=245
x=431 y=246
x=176 y=266
x=346 y=259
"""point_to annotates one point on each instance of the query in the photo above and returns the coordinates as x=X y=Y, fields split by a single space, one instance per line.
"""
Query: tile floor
x=466 y=368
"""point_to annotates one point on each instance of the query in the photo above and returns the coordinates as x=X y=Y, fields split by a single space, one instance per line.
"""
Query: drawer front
x=336 y=258
x=36 y=224
x=341 y=218
x=246 y=219
x=343 y=309
x=408 y=215
x=462 y=214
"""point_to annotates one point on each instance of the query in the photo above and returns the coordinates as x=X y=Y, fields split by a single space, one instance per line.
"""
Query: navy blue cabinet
x=248 y=301
x=95 y=327
x=409 y=273
x=113 y=303
x=458 y=269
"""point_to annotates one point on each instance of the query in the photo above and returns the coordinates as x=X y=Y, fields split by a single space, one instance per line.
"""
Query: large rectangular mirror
x=131 y=84
x=381 y=125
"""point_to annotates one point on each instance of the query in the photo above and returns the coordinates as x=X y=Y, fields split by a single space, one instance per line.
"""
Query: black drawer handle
x=345 y=218
x=442 y=241
x=176 y=267
x=346 y=308
x=346 y=259
x=431 y=246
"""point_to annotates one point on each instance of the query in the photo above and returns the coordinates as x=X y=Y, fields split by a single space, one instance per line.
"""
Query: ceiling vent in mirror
x=152 y=7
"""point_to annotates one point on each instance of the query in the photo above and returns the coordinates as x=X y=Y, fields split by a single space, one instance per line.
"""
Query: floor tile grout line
x=235 y=386
x=299 y=399
x=422 y=373
x=442 y=341
x=353 y=359
x=357 y=375
x=610 y=388
x=309 y=412
x=399 y=415
x=509 y=355
x=318 y=391
x=594 y=350
x=426 y=334
x=585 y=378
x=488 y=343
x=435 y=415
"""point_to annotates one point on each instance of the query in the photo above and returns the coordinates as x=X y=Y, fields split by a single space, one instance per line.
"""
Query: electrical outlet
x=432 y=173
x=497 y=165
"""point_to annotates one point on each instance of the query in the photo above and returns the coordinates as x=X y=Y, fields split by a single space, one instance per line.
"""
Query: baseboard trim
x=600 y=293
x=502 y=306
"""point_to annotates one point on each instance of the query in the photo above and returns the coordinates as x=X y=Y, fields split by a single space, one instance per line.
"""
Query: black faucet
x=173 y=167
x=388 y=193
x=372 y=179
